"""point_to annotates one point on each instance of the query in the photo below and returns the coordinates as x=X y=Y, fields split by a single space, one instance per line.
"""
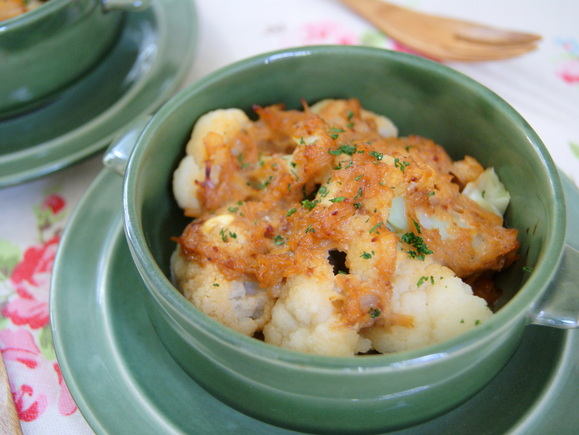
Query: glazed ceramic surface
x=124 y=380
x=371 y=393
x=143 y=69
x=45 y=50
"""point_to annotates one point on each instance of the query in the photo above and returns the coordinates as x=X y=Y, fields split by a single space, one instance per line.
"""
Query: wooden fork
x=443 y=38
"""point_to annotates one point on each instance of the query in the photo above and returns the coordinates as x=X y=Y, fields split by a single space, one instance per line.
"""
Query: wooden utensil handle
x=9 y=421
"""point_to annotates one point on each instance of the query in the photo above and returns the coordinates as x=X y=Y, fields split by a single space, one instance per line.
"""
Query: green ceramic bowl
x=45 y=50
x=365 y=393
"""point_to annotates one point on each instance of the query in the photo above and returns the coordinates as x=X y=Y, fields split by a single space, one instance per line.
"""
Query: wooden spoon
x=443 y=38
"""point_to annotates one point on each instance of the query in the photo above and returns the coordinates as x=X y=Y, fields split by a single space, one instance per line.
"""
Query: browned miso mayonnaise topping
x=301 y=187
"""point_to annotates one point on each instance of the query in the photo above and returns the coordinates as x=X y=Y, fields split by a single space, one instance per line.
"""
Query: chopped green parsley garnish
x=376 y=155
x=338 y=199
x=374 y=312
x=424 y=279
x=225 y=234
x=367 y=255
x=241 y=162
x=375 y=227
x=349 y=163
x=278 y=240
x=291 y=211
x=400 y=164
x=417 y=226
x=265 y=183
x=335 y=131
x=344 y=149
x=306 y=203
x=418 y=244
x=350 y=122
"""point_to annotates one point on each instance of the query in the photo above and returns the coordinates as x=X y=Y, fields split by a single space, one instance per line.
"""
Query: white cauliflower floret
x=184 y=182
x=488 y=191
x=441 y=304
x=305 y=319
x=238 y=304
x=397 y=219
x=385 y=126
x=432 y=222
x=191 y=170
x=324 y=226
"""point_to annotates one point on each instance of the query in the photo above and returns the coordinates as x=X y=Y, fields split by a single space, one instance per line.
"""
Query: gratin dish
x=364 y=393
x=47 y=49
x=124 y=380
x=145 y=66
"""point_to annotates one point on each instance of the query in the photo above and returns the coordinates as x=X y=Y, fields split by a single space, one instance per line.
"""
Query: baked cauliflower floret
x=488 y=192
x=223 y=227
x=191 y=171
x=238 y=304
x=322 y=232
x=342 y=112
x=439 y=303
x=305 y=319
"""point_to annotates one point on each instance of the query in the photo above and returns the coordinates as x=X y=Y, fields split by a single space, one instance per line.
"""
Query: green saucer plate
x=148 y=63
x=124 y=381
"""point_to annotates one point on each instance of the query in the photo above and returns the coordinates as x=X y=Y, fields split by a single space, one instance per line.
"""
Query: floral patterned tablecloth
x=543 y=86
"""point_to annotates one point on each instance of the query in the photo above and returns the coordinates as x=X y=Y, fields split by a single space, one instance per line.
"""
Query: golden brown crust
x=296 y=186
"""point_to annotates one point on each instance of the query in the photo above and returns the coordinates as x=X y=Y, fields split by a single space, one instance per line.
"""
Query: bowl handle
x=117 y=155
x=125 y=5
x=559 y=306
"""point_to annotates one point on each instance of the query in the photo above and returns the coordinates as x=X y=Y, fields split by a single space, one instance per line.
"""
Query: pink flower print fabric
x=19 y=351
x=31 y=392
x=568 y=69
x=334 y=32
x=31 y=280
x=25 y=340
